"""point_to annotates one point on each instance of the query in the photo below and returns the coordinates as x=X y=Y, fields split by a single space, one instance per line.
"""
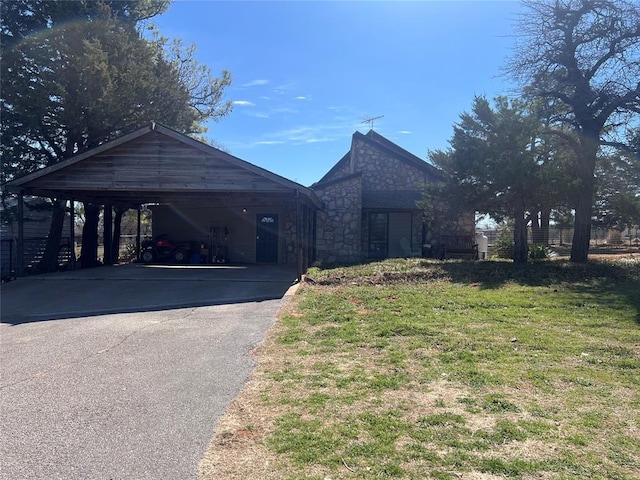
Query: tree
x=493 y=166
x=582 y=58
x=78 y=84
x=617 y=199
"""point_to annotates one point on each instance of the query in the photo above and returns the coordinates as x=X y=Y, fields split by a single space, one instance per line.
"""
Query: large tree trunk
x=49 y=260
x=117 y=227
x=545 y=220
x=584 y=198
x=89 y=252
x=536 y=232
x=520 y=245
x=107 y=234
x=582 y=226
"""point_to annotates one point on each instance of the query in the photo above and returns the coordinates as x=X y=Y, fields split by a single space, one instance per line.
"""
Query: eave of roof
x=341 y=162
x=390 y=200
x=336 y=180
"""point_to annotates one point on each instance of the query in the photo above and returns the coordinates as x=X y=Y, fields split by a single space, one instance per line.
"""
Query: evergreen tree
x=78 y=74
x=499 y=165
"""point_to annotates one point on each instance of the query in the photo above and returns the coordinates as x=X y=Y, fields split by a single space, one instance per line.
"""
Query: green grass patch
x=423 y=369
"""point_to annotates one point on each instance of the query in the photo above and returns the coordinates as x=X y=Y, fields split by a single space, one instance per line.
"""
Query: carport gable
x=158 y=165
x=153 y=164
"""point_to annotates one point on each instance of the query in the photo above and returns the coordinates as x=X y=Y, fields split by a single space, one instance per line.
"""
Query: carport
x=195 y=189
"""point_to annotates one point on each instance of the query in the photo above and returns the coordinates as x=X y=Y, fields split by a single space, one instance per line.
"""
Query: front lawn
x=421 y=369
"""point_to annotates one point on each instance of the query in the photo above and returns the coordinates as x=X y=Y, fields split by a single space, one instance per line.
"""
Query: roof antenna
x=370 y=121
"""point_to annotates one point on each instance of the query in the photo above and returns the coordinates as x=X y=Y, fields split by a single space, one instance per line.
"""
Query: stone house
x=369 y=199
x=364 y=208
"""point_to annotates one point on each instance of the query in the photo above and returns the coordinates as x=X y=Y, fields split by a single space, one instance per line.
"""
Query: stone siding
x=287 y=253
x=338 y=226
x=382 y=171
x=376 y=173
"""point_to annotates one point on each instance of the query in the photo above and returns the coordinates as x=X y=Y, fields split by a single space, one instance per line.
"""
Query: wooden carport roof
x=155 y=165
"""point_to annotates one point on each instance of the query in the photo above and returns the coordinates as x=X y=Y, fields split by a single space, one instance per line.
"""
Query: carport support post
x=72 y=233
x=20 y=249
x=108 y=234
x=138 y=233
x=298 y=237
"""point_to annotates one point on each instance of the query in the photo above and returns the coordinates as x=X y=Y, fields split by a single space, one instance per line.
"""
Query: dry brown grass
x=237 y=450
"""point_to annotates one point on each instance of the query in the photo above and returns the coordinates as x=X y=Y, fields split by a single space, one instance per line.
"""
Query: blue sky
x=306 y=74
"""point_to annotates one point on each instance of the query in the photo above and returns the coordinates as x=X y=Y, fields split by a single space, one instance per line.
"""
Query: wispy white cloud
x=284 y=88
x=404 y=132
x=302 y=97
x=332 y=129
x=277 y=110
x=307 y=134
x=267 y=112
x=255 y=83
x=244 y=103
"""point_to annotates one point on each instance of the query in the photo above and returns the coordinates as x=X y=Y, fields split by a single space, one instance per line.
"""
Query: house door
x=267 y=238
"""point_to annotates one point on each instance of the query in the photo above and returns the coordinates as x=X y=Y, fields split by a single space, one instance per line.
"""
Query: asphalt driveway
x=131 y=387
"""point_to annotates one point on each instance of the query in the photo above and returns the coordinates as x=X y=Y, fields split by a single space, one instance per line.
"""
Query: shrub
x=539 y=251
x=615 y=237
x=504 y=243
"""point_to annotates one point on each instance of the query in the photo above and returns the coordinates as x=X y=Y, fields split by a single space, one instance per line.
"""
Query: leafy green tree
x=582 y=58
x=78 y=74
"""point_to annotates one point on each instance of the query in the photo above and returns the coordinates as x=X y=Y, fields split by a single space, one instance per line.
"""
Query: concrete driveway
x=122 y=372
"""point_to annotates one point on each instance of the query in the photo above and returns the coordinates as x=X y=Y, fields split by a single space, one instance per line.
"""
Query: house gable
x=156 y=162
x=387 y=167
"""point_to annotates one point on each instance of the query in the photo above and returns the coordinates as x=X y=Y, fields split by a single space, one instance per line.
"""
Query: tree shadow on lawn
x=600 y=280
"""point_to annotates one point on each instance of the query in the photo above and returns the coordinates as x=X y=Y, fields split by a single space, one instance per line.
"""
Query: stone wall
x=382 y=171
x=287 y=253
x=338 y=226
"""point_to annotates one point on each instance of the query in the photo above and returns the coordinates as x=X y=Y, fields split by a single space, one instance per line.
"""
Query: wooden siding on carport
x=155 y=162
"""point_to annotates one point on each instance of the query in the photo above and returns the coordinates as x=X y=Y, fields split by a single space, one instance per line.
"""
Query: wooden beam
x=20 y=246
x=138 y=234
x=108 y=235
x=72 y=232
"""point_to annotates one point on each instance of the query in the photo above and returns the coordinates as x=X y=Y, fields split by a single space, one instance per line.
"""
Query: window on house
x=378 y=235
